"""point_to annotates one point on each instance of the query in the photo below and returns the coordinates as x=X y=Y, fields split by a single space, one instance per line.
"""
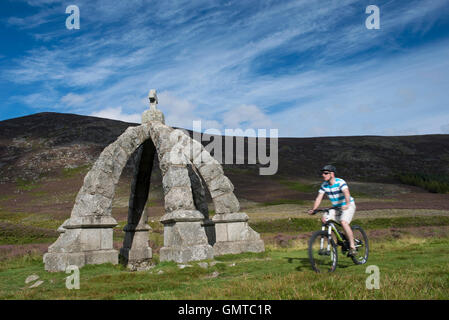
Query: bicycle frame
x=330 y=227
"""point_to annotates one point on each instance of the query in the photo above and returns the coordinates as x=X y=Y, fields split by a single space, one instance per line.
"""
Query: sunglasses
x=325 y=172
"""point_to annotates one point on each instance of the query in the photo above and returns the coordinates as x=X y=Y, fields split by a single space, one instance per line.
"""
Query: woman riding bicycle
x=338 y=192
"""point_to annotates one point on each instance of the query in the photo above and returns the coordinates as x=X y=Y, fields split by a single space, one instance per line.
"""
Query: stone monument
x=187 y=171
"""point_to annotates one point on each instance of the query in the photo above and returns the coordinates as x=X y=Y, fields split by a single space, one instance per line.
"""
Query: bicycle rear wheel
x=361 y=245
x=323 y=254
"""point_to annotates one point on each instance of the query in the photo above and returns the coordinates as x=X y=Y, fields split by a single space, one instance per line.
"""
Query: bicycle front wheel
x=361 y=245
x=322 y=252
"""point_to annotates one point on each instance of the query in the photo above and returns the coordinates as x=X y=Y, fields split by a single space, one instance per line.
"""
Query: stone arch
x=86 y=237
x=220 y=187
x=189 y=234
x=230 y=230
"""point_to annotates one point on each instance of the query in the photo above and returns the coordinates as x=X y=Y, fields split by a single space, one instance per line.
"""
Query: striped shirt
x=335 y=192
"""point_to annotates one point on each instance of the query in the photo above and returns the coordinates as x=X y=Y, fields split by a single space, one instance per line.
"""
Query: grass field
x=409 y=246
x=410 y=268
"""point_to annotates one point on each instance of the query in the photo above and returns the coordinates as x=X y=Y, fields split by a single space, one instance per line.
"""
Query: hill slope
x=44 y=143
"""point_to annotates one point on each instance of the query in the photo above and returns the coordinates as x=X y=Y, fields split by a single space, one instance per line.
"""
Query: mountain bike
x=323 y=253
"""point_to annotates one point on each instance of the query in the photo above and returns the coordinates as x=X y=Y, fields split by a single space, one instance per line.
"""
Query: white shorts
x=346 y=215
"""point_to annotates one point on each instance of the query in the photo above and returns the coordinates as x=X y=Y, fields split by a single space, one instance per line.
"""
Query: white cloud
x=205 y=65
x=73 y=99
x=178 y=112
x=246 y=116
x=117 y=114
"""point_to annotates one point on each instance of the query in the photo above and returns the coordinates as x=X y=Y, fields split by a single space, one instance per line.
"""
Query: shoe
x=324 y=252
x=352 y=253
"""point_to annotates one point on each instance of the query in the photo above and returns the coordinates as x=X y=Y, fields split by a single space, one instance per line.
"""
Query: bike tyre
x=312 y=260
x=362 y=259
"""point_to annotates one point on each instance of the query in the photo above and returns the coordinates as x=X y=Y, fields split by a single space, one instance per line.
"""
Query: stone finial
x=152 y=96
x=153 y=114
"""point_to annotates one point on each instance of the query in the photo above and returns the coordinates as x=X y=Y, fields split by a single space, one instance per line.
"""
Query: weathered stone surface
x=112 y=160
x=184 y=233
x=226 y=203
x=101 y=256
x=160 y=134
x=179 y=198
x=99 y=182
x=61 y=228
x=136 y=255
x=231 y=217
x=236 y=247
x=191 y=148
x=211 y=171
x=174 y=157
x=91 y=204
x=68 y=241
x=60 y=261
x=219 y=186
x=234 y=235
x=129 y=140
x=175 y=177
x=186 y=254
x=184 y=237
x=203 y=158
x=182 y=216
x=90 y=221
x=31 y=278
x=153 y=115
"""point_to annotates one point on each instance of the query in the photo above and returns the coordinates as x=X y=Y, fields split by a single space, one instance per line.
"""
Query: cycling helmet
x=329 y=167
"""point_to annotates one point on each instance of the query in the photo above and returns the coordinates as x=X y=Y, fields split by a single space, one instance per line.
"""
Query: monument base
x=136 y=259
x=184 y=237
x=136 y=254
x=59 y=261
x=236 y=247
x=185 y=254
x=234 y=235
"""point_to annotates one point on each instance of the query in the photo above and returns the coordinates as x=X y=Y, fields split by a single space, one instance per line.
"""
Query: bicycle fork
x=329 y=236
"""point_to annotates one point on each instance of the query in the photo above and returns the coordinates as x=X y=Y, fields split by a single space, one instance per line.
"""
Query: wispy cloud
x=117 y=114
x=239 y=63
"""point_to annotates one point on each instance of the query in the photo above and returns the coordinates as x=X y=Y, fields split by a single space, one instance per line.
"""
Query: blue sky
x=307 y=68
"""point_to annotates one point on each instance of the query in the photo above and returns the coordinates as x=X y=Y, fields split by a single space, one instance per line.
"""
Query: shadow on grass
x=304 y=263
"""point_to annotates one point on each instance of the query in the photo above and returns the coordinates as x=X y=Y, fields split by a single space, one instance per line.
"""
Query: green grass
x=26 y=185
x=306 y=224
x=23 y=234
x=40 y=220
x=432 y=183
x=72 y=172
x=298 y=186
x=413 y=269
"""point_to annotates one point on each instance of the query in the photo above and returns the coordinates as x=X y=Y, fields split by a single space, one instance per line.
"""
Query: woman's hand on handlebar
x=311 y=211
